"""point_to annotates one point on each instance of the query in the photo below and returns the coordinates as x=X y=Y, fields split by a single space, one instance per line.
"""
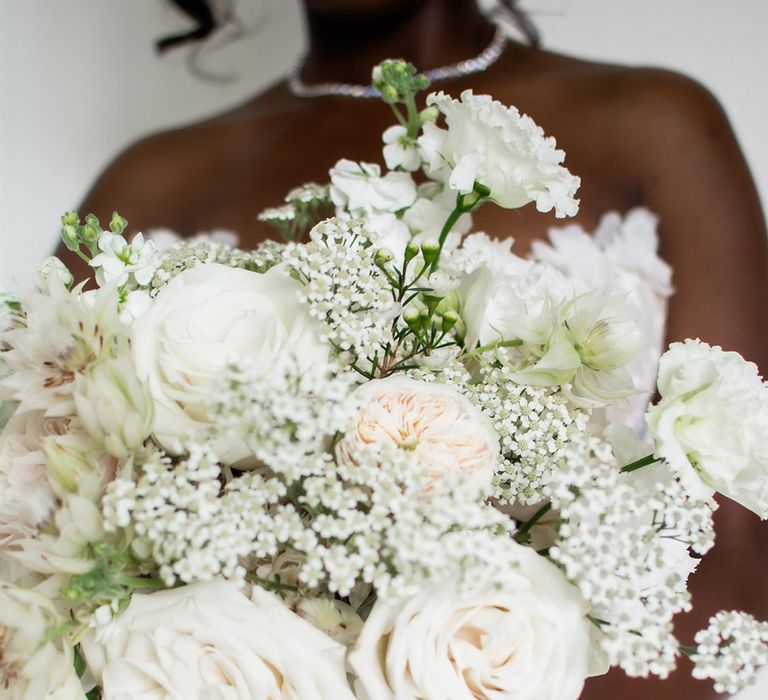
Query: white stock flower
x=26 y=497
x=500 y=148
x=526 y=640
x=448 y=436
x=399 y=150
x=711 y=424
x=359 y=188
x=206 y=317
x=114 y=406
x=208 y=640
x=119 y=260
x=32 y=667
x=427 y=215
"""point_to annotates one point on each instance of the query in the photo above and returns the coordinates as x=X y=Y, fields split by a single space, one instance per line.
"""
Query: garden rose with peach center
x=447 y=434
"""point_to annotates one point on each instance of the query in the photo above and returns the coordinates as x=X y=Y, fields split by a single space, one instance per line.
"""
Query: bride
x=637 y=138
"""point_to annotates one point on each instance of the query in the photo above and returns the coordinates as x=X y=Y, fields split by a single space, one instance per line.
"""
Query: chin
x=359 y=8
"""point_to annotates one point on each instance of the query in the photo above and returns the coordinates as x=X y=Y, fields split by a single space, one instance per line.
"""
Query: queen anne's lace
x=344 y=287
x=731 y=650
x=613 y=544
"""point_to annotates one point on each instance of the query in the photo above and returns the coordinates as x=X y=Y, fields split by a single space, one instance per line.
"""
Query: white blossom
x=400 y=151
x=119 y=260
x=711 y=423
x=360 y=188
x=731 y=650
x=501 y=149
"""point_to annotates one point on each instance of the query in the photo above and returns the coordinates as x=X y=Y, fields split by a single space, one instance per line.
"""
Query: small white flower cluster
x=304 y=206
x=188 y=254
x=625 y=546
x=533 y=425
x=731 y=650
x=344 y=287
x=283 y=419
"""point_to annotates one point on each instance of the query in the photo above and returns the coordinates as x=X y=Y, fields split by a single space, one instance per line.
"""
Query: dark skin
x=637 y=137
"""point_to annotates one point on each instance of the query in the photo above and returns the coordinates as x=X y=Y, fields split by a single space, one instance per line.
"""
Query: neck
x=428 y=33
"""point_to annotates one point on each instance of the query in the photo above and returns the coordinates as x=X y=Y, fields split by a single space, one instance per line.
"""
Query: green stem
x=138 y=581
x=640 y=463
x=267 y=583
x=495 y=346
x=688 y=651
x=453 y=217
x=522 y=533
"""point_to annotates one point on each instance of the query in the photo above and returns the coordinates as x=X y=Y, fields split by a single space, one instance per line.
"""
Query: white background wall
x=79 y=81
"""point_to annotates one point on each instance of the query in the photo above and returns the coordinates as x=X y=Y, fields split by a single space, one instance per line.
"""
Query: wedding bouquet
x=376 y=460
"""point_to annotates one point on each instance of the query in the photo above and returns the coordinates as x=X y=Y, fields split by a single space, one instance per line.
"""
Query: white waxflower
x=360 y=188
x=448 y=436
x=210 y=640
x=525 y=640
x=399 y=150
x=711 y=424
x=500 y=148
x=206 y=317
x=26 y=497
x=31 y=666
x=119 y=260
x=114 y=406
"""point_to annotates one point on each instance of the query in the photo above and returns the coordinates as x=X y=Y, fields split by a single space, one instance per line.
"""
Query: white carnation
x=711 y=423
x=500 y=148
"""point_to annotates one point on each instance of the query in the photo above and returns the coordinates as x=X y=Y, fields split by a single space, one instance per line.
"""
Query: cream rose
x=206 y=317
x=447 y=434
x=711 y=424
x=208 y=640
x=527 y=641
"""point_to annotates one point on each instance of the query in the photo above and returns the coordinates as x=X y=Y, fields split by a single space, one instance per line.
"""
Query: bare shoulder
x=157 y=179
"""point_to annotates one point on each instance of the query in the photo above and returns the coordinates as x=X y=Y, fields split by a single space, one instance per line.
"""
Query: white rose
x=527 y=641
x=711 y=424
x=502 y=149
x=206 y=317
x=448 y=436
x=208 y=640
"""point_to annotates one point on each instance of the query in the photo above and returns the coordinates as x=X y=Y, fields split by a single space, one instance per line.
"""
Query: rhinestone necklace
x=478 y=64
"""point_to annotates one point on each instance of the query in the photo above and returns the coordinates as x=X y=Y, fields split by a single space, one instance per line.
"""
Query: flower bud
x=114 y=406
x=118 y=223
x=52 y=265
x=69 y=237
x=412 y=318
x=430 y=249
x=450 y=318
x=411 y=251
x=429 y=114
x=389 y=94
x=383 y=256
